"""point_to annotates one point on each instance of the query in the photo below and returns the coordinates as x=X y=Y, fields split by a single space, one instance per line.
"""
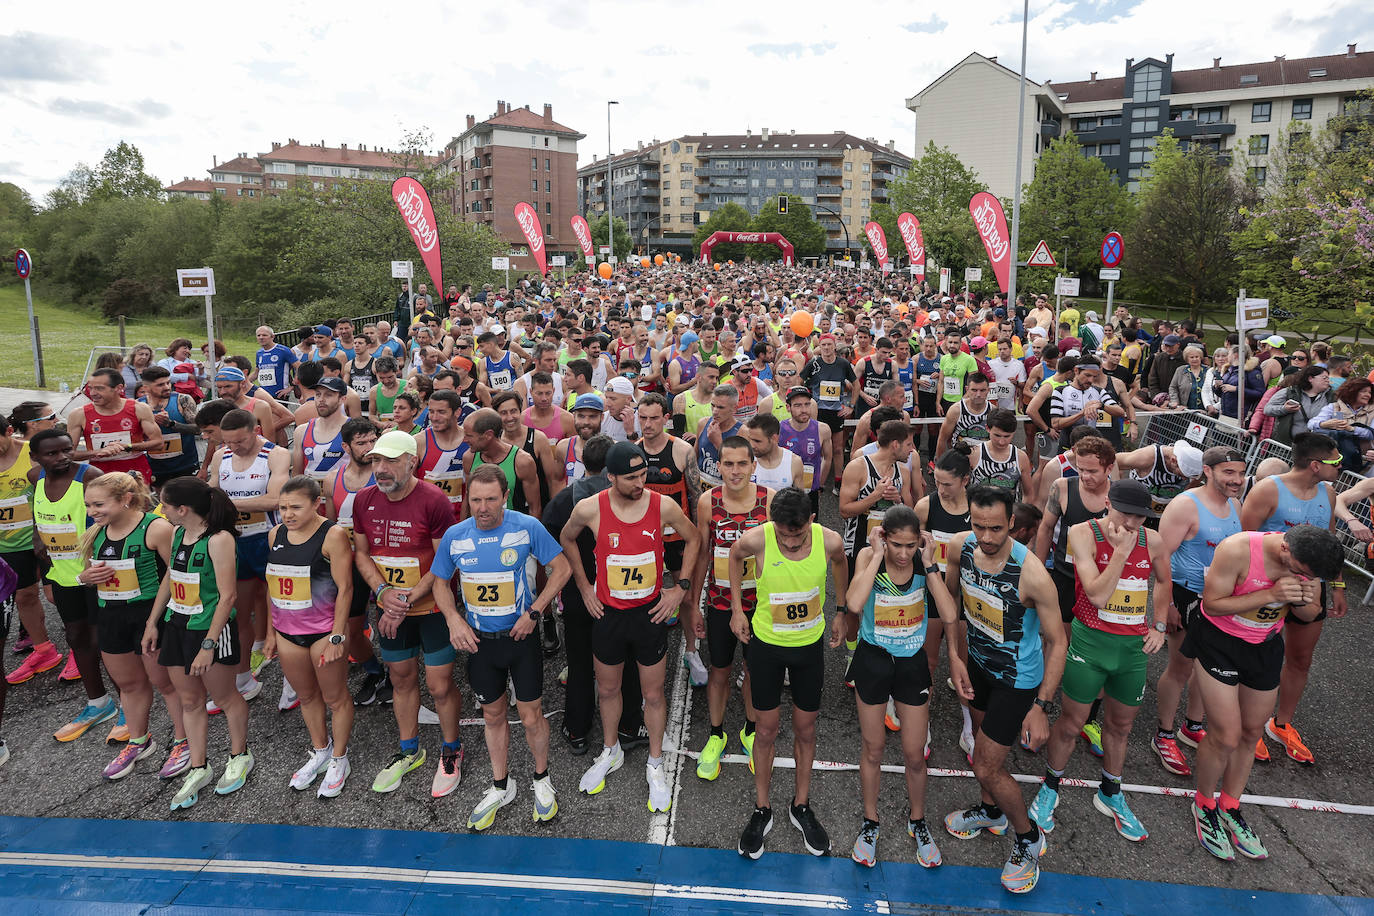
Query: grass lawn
x=69 y=333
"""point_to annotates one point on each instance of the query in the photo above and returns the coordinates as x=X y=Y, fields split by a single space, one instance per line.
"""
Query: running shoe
x=69 y=671
x=563 y=676
x=369 y=691
x=577 y=744
x=1167 y=750
x=696 y=670
x=545 y=800
x=927 y=853
x=493 y=800
x=849 y=670
x=1287 y=735
x=124 y=761
x=120 y=732
x=88 y=718
x=235 y=773
x=1242 y=837
x=607 y=762
x=966 y=745
x=748 y=741
x=335 y=775
x=288 y=700
x=814 y=837
x=178 y=760
x=1022 y=871
x=1092 y=733
x=866 y=844
x=1261 y=751
x=708 y=762
x=389 y=779
x=4 y=752
x=256 y=660
x=449 y=773
x=427 y=716
x=23 y=644
x=1211 y=834
x=970 y=822
x=189 y=793
x=751 y=841
x=1191 y=736
x=890 y=719
x=249 y=693
x=1041 y=811
x=552 y=642
x=39 y=660
x=319 y=758
x=1115 y=807
x=631 y=740
x=660 y=799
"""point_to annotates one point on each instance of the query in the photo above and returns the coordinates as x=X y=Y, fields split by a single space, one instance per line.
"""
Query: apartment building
x=293 y=163
x=636 y=196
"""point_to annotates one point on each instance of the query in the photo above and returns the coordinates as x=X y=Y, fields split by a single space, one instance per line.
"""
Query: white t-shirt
x=1003 y=390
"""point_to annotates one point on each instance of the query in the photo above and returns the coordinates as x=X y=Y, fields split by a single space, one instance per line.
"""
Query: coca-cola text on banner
x=583 y=233
x=992 y=229
x=528 y=219
x=910 y=228
x=418 y=214
x=877 y=240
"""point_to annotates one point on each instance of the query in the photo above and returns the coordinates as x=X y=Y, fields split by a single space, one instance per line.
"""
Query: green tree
x=623 y=242
x=121 y=174
x=729 y=218
x=16 y=215
x=937 y=190
x=798 y=226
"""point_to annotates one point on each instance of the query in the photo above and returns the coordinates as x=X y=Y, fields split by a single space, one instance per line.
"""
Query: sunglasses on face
x=1330 y=461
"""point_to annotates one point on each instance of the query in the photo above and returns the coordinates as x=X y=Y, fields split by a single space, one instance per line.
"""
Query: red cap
x=827 y=336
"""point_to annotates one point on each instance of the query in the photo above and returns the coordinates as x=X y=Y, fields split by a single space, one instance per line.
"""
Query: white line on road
x=663 y=826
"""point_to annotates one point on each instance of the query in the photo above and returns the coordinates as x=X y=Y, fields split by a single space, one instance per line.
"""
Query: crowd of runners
x=566 y=470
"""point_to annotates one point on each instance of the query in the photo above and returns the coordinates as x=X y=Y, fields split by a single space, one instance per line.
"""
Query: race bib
x=984 y=611
x=926 y=383
x=808 y=476
x=874 y=520
x=114 y=437
x=501 y=380
x=951 y=386
x=942 y=540
x=899 y=616
x=288 y=587
x=631 y=578
x=451 y=482
x=185 y=593
x=62 y=541
x=362 y=385
x=399 y=572
x=1262 y=618
x=490 y=594
x=1126 y=606
x=722 y=569
x=15 y=513
x=908 y=399
x=252 y=523
x=1000 y=391
x=830 y=391
x=124 y=585
x=796 y=611
x=170 y=448
x=1104 y=419
x=267 y=376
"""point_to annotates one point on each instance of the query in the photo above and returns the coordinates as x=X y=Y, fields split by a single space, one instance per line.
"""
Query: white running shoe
x=492 y=801
x=696 y=669
x=319 y=759
x=607 y=762
x=288 y=700
x=249 y=693
x=335 y=777
x=545 y=800
x=966 y=744
x=659 y=798
x=428 y=716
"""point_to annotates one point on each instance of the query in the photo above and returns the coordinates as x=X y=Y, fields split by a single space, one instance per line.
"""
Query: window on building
x=548 y=207
x=532 y=140
x=1260 y=112
x=548 y=187
x=1316 y=73
x=546 y=141
x=221 y=191
x=1084 y=124
x=848 y=184
x=687 y=167
x=866 y=184
x=864 y=203
x=1259 y=174
x=240 y=192
x=688 y=147
x=684 y=201
x=548 y=164
x=849 y=166
x=848 y=202
x=1109 y=121
x=1147 y=82
x=534 y=184
x=1259 y=145
x=548 y=229
x=1249 y=79
x=534 y=162
x=1209 y=115
x=1302 y=109
x=868 y=167
x=772 y=183
x=476 y=206
x=1089 y=150
x=1109 y=149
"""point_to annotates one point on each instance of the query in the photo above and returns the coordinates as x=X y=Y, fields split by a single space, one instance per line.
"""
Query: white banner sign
x=1066 y=286
x=973 y=274
x=402 y=270
x=558 y=260
x=500 y=263
x=198 y=281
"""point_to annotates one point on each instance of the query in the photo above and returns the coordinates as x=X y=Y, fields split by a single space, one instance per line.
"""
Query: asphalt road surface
x=1311 y=852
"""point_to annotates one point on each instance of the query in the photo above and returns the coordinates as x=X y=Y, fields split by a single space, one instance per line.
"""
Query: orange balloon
x=605 y=270
x=658 y=260
x=643 y=262
x=731 y=263
x=677 y=258
x=802 y=324
x=717 y=266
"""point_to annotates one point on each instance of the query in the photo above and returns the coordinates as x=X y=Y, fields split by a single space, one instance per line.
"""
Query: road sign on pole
x=1066 y=286
x=1252 y=313
x=1112 y=250
x=1041 y=256
x=200 y=281
x=973 y=274
x=402 y=270
x=23 y=266
x=944 y=279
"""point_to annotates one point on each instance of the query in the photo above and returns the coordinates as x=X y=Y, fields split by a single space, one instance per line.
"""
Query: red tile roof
x=525 y=119
x=244 y=165
x=293 y=151
x=191 y=186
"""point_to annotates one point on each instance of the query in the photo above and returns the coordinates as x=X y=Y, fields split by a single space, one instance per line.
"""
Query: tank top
x=343 y=499
x=708 y=457
x=300 y=584
x=1005 y=475
x=907 y=376
x=1066 y=470
x=1074 y=512
x=138 y=568
x=500 y=373
x=874 y=377
x=16 y=509
x=444 y=468
x=1163 y=484
x=776 y=478
x=943 y=525
x=573 y=468
x=178 y=452
x=894 y=618
x=554 y=429
x=246 y=484
x=1047 y=404
x=515 y=490
x=121 y=428
x=195 y=591
x=971 y=426
x=361 y=379
x=321 y=457
x=629 y=555
x=1124 y=614
x=688 y=368
x=666 y=478
x=386 y=404
x=857 y=529
x=694 y=410
x=726 y=528
x=748 y=404
x=60 y=524
x=1003 y=634
x=790 y=605
x=1291 y=510
x=805 y=444
x=1193 y=557
x=926 y=370
x=1263 y=623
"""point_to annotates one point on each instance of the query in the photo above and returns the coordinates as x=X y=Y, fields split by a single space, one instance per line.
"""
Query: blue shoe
x=969 y=823
x=866 y=845
x=1022 y=871
x=88 y=718
x=1115 y=807
x=927 y=853
x=1041 y=811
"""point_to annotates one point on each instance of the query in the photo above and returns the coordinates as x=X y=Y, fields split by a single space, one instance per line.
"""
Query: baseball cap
x=1172 y=339
x=230 y=374
x=978 y=342
x=1275 y=340
x=620 y=385
x=1000 y=313
x=1131 y=497
x=798 y=391
x=588 y=402
x=1189 y=458
x=935 y=315
x=689 y=338
x=1092 y=316
x=332 y=383
x=394 y=444
x=325 y=330
x=1221 y=454
x=625 y=458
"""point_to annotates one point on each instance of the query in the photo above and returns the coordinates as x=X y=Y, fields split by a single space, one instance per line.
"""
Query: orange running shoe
x=1287 y=735
x=1261 y=751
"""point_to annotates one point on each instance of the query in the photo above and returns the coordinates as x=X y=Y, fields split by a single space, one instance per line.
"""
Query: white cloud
x=185 y=82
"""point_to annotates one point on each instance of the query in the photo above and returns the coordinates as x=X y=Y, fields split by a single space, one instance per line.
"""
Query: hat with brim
x=1131 y=498
x=394 y=444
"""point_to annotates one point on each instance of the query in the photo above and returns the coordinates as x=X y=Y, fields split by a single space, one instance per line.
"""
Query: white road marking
x=662 y=826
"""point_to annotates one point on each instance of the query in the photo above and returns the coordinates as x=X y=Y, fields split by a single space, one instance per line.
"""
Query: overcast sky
x=185 y=82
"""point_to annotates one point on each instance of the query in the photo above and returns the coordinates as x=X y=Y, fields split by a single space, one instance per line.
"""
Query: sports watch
x=1047 y=707
x=684 y=584
x=208 y=643
x=336 y=639
x=1161 y=627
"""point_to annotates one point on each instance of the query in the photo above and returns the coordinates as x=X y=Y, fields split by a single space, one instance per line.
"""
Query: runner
x=489 y=553
x=966 y=419
x=723 y=422
x=381 y=399
x=872 y=371
x=310 y=591
x=273 y=363
x=828 y=377
x=1016 y=647
x=124 y=556
x=397 y=524
x=1069 y=503
x=482 y=430
x=784 y=641
x=692 y=406
x=117 y=433
x=801 y=435
x=629 y=603
x=319 y=445
x=233 y=386
x=175 y=414
x=775 y=468
x=588 y=412
x=1191 y=529
x=1256 y=582
x=1083 y=402
x=890 y=666
x=496 y=369
x=955 y=368
x=441 y=448
x=191 y=631
x=998 y=463
x=1166 y=471
x=359 y=372
x=873 y=485
x=1110 y=641
x=929 y=386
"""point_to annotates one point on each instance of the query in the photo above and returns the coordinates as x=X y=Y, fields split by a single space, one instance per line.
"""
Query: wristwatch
x=208 y=643
x=535 y=615
x=1047 y=707
x=336 y=639
x=684 y=584
x=1161 y=627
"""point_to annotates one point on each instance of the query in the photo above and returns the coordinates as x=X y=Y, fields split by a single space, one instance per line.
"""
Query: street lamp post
x=1020 y=131
x=842 y=225
x=610 y=196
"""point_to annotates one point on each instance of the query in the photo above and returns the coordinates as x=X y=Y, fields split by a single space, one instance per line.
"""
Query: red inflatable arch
x=748 y=238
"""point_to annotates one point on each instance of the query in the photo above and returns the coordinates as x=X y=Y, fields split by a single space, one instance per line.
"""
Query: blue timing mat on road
x=106 y=866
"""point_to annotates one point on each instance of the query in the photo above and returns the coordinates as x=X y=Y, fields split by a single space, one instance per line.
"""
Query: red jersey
x=1124 y=614
x=124 y=428
x=726 y=528
x=400 y=535
x=667 y=479
x=444 y=469
x=629 y=556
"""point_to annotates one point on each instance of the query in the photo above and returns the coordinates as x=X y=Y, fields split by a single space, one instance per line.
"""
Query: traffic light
x=782 y=204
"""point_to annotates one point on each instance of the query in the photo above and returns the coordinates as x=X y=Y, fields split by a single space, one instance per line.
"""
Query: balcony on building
x=829 y=171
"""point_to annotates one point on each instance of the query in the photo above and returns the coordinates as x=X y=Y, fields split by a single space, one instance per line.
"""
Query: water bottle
x=64 y=388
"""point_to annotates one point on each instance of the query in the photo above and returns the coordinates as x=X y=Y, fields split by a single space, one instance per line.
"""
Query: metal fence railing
x=293 y=337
